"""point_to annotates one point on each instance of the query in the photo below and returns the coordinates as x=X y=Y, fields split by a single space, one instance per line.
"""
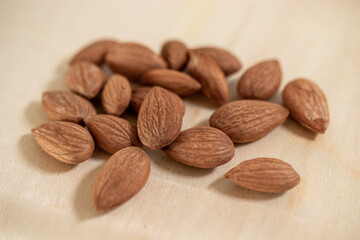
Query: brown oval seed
x=137 y=97
x=203 y=147
x=175 y=53
x=122 y=177
x=65 y=141
x=66 y=106
x=264 y=175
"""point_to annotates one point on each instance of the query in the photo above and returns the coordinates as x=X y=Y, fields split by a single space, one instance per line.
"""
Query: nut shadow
x=294 y=127
x=203 y=123
x=161 y=160
x=227 y=187
x=83 y=203
x=35 y=114
x=37 y=158
x=58 y=82
x=200 y=100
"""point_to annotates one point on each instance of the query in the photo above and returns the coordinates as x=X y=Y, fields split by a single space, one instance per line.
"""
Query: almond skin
x=112 y=133
x=65 y=141
x=260 y=81
x=265 y=175
x=85 y=78
x=226 y=61
x=160 y=118
x=202 y=147
x=248 y=120
x=307 y=104
x=137 y=97
x=94 y=52
x=66 y=106
x=212 y=79
x=122 y=177
x=115 y=97
x=178 y=82
x=133 y=60
x=175 y=54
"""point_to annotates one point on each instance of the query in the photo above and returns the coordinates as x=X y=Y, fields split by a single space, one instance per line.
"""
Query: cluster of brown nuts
x=179 y=71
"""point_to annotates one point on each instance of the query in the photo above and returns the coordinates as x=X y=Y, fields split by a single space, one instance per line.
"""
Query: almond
x=65 y=141
x=160 y=118
x=178 y=82
x=203 y=147
x=212 y=79
x=307 y=104
x=248 y=120
x=265 y=175
x=133 y=60
x=175 y=53
x=66 y=106
x=226 y=61
x=85 y=78
x=94 y=52
x=115 y=97
x=112 y=133
x=137 y=97
x=260 y=81
x=122 y=177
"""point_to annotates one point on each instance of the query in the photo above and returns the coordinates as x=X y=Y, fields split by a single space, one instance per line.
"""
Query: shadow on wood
x=296 y=128
x=200 y=100
x=36 y=157
x=227 y=187
x=165 y=162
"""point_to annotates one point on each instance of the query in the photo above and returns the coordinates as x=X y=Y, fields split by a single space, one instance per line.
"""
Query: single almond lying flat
x=137 y=97
x=85 y=78
x=94 y=52
x=226 y=61
x=122 y=177
x=265 y=175
x=175 y=53
x=178 y=82
x=203 y=147
x=211 y=77
x=133 y=60
x=115 y=97
x=160 y=118
x=260 y=81
x=248 y=120
x=65 y=141
x=112 y=133
x=307 y=104
x=66 y=106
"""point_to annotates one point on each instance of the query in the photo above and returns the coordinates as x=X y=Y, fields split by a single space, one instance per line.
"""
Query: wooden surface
x=318 y=39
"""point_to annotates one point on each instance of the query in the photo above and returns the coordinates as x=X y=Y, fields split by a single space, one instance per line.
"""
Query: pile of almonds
x=179 y=71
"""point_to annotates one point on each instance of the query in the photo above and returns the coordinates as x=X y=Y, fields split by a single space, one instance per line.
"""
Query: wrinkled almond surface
x=65 y=141
x=160 y=118
x=115 y=97
x=175 y=54
x=85 y=78
x=211 y=77
x=112 y=133
x=178 y=82
x=265 y=175
x=94 y=52
x=124 y=174
x=307 y=104
x=260 y=81
x=248 y=120
x=133 y=60
x=137 y=97
x=203 y=147
x=66 y=106
x=226 y=60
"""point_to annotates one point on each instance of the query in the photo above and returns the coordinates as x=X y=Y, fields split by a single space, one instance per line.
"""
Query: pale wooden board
x=44 y=199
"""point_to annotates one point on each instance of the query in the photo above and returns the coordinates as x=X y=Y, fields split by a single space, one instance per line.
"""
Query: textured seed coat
x=175 y=54
x=264 y=175
x=203 y=147
x=122 y=177
x=65 y=141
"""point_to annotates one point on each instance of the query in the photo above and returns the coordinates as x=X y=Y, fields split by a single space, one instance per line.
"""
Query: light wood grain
x=45 y=199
